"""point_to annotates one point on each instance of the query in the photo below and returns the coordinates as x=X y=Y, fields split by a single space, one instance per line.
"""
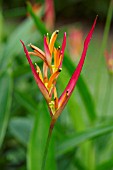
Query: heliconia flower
x=109 y=60
x=75 y=42
x=47 y=84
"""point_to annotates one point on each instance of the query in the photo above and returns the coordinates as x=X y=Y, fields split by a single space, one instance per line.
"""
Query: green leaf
x=70 y=143
x=81 y=84
x=73 y=107
x=75 y=114
x=38 y=140
x=20 y=128
x=23 y=70
x=106 y=165
x=26 y=100
x=5 y=103
x=24 y=31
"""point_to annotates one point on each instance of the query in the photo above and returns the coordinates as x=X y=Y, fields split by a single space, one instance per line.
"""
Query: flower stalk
x=47 y=146
x=46 y=83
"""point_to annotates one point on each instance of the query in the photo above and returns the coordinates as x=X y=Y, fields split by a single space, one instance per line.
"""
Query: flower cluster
x=52 y=58
x=53 y=67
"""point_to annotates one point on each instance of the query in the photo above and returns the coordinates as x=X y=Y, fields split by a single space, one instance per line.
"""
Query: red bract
x=47 y=85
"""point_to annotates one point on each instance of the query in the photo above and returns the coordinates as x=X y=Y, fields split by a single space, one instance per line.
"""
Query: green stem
x=47 y=145
x=103 y=46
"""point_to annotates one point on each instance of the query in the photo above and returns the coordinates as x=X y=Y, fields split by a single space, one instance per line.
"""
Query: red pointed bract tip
x=63 y=49
x=71 y=85
x=36 y=76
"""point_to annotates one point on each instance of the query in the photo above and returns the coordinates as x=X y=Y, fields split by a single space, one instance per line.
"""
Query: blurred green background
x=82 y=138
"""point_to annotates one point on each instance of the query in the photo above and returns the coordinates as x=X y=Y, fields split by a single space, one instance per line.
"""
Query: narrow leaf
x=78 y=138
x=5 y=103
x=26 y=100
x=13 y=46
x=20 y=128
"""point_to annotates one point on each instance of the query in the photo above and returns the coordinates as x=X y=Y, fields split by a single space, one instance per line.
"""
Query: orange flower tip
x=31 y=46
x=57 y=31
x=96 y=16
x=67 y=92
x=37 y=72
x=60 y=69
x=36 y=67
